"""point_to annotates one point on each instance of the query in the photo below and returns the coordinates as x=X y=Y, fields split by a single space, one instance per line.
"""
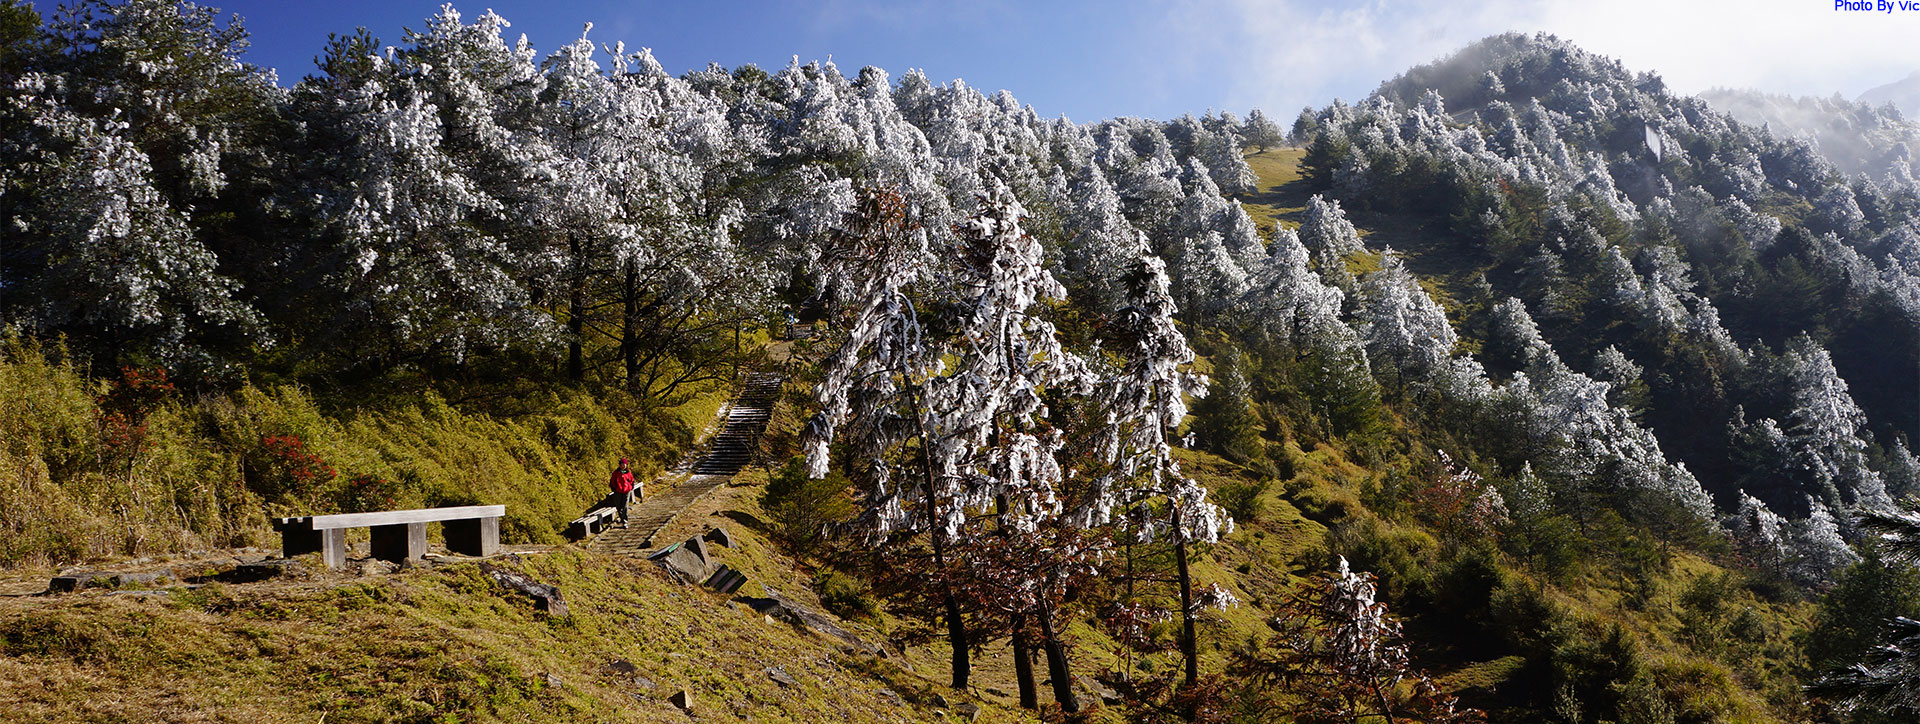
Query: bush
x=282 y=468
x=1243 y=500
x=369 y=493
x=844 y=595
x=1323 y=504
x=1402 y=558
x=803 y=509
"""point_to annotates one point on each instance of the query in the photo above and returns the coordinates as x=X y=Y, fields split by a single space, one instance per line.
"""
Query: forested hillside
x=1522 y=389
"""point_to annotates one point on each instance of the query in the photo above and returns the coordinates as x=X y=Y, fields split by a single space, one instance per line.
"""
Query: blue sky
x=1092 y=60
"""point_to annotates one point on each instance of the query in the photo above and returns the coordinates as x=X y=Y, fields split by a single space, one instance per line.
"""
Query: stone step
x=728 y=451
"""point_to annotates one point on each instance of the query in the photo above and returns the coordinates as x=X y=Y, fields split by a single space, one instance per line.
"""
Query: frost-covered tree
x=1331 y=238
x=1403 y=328
x=123 y=125
x=1626 y=387
x=1903 y=472
x=1826 y=430
x=413 y=255
x=94 y=248
x=1339 y=657
x=173 y=75
x=1758 y=532
x=1221 y=154
x=1140 y=401
x=588 y=121
x=1262 y=132
x=1288 y=303
x=1095 y=259
x=941 y=428
x=1814 y=546
x=1205 y=273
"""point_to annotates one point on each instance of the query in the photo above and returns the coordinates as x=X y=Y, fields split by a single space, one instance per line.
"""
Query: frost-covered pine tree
x=1206 y=275
x=1815 y=548
x=588 y=120
x=1827 y=430
x=1758 y=532
x=1289 y=303
x=1221 y=153
x=1142 y=401
x=94 y=247
x=1331 y=238
x=415 y=254
x=175 y=78
x=1903 y=472
x=124 y=126
x=1404 y=330
x=1262 y=132
x=942 y=428
x=1096 y=257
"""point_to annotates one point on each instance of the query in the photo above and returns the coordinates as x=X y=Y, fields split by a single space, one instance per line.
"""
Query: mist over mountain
x=1857 y=136
x=1903 y=94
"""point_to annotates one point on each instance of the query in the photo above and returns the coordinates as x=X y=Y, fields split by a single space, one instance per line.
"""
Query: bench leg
x=478 y=537
x=399 y=542
x=330 y=544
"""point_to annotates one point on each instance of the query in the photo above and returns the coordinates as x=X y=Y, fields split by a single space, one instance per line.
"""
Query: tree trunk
x=1386 y=707
x=630 y=325
x=956 y=637
x=1023 y=664
x=576 y=312
x=1057 y=664
x=1022 y=648
x=956 y=627
x=1189 y=639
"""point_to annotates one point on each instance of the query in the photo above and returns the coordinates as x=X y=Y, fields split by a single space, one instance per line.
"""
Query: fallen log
x=548 y=597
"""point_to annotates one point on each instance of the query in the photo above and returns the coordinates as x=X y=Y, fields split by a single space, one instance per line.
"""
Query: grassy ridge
x=443 y=645
x=89 y=470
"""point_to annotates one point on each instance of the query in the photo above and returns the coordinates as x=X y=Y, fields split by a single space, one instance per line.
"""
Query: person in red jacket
x=623 y=486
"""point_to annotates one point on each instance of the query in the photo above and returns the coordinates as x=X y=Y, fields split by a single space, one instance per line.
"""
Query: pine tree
x=1224 y=421
x=1326 y=232
x=1141 y=402
x=1404 y=329
x=414 y=254
x=99 y=250
x=1262 y=132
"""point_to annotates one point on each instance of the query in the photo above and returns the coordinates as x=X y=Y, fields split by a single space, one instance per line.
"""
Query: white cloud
x=1284 y=55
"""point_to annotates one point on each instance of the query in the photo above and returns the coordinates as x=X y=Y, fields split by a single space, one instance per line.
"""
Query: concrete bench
x=594 y=523
x=398 y=535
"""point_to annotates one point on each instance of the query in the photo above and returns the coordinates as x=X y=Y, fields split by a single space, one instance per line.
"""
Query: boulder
x=144 y=578
x=263 y=570
x=377 y=567
x=682 y=699
x=774 y=606
x=1093 y=685
x=719 y=537
x=687 y=560
x=781 y=677
x=76 y=580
